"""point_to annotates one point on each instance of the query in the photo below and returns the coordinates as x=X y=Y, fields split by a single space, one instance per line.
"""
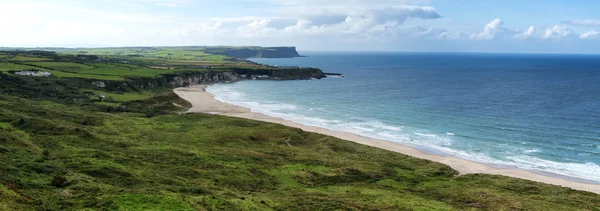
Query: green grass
x=118 y=64
x=89 y=76
x=61 y=149
x=26 y=58
x=129 y=160
x=132 y=202
x=120 y=97
x=128 y=70
x=96 y=71
x=63 y=66
x=163 y=54
x=5 y=125
x=6 y=66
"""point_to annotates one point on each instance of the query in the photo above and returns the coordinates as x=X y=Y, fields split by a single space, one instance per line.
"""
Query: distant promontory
x=254 y=52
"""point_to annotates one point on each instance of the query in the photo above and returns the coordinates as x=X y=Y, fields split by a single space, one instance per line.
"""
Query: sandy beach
x=203 y=102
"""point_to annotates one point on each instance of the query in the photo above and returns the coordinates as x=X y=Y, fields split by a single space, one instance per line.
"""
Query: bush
x=59 y=181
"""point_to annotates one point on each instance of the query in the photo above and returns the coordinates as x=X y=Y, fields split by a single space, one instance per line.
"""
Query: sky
x=496 y=26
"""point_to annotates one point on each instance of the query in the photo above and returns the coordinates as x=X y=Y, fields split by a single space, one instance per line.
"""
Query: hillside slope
x=61 y=151
x=111 y=136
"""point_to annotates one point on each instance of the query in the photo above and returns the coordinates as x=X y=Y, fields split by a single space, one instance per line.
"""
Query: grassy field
x=162 y=54
x=77 y=155
x=62 y=149
x=119 y=63
x=63 y=66
x=25 y=58
x=6 y=66
x=119 y=97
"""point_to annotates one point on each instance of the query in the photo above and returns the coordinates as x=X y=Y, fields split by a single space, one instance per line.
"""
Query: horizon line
x=313 y=50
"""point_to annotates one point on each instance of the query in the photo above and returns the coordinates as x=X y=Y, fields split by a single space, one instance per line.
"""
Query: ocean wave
x=441 y=143
x=588 y=171
x=531 y=150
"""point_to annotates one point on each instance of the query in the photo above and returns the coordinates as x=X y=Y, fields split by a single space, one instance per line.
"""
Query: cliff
x=183 y=79
x=254 y=52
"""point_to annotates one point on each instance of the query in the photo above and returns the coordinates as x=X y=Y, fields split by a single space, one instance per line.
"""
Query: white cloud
x=366 y=22
x=496 y=30
x=583 y=22
x=526 y=34
x=451 y=35
x=432 y=33
x=289 y=22
x=490 y=30
x=558 y=32
x=589 y=34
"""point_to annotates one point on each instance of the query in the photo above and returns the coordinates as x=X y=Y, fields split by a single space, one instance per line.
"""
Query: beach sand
x=203 y=102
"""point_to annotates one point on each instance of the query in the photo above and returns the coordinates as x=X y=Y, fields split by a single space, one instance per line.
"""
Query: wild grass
x=117 y=64
x=61 y=151
x=63 y=66
x=118 y=97
x=8 y=66
x=26 y=58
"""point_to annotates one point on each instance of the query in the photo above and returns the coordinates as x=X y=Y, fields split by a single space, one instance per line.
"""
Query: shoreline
x=204 y=102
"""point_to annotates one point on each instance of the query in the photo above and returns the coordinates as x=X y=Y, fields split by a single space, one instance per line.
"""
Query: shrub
x=59 y=181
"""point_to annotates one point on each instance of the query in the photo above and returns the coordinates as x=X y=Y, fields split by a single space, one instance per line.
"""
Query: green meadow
x=61 y=148
x=116 y=68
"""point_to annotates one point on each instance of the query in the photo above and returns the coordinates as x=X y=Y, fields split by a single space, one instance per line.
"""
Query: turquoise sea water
x=535 y=112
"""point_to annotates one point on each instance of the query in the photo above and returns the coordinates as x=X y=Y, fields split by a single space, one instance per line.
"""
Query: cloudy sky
x=527 y=26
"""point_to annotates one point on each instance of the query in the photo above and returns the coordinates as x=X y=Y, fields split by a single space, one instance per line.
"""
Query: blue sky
x=530 y=26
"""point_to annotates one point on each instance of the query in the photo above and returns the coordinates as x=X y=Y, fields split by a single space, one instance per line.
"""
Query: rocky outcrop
x=280 y=73
x=194 y=79
x=279 y=52
x=183 y=79
x=99 y=84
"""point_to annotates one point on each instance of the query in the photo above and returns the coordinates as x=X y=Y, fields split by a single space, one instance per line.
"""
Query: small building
x=33 y=73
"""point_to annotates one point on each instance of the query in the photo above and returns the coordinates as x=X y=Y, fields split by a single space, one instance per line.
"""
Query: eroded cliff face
x=166 y=81
x=279 y=52
x=195 y=79
x=183 y=79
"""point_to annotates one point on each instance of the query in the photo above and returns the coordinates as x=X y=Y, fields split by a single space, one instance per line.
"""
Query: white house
x=34 y=73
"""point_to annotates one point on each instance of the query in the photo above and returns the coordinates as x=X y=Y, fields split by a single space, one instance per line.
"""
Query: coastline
x=204 y=102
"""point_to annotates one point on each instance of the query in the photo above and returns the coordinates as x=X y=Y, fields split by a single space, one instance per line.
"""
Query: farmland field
x=26 y=58
x=6 y=66
x=119 y=63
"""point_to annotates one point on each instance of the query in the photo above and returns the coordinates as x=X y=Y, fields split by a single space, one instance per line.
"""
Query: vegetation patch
x=61 y=149
x=150 y=202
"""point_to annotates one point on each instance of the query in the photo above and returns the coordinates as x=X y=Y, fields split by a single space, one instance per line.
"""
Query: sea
x=537 y=112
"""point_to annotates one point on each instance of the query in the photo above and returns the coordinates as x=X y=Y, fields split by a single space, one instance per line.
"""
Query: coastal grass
x=97 y=71
x=162 y=54
x=117 y=64
x=8 y=66
x=26 y=58
x=118 y=97
x=61 y=150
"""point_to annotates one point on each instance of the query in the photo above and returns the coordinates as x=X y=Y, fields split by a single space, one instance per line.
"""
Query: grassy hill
x=62 y=149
